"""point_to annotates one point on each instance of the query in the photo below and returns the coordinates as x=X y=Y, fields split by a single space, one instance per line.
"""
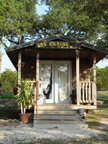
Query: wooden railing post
x=87 y=92
x=77 y=78
x=94 y=79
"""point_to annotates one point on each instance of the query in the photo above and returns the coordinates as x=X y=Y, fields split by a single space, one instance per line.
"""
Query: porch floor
x=68 y=106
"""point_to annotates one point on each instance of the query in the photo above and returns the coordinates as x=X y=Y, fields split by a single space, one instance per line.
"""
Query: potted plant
x=23 y=98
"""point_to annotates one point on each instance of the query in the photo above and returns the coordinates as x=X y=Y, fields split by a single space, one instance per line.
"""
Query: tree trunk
x=1 y=92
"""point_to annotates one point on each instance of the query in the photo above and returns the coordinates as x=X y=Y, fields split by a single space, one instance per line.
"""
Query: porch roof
x=54 y=52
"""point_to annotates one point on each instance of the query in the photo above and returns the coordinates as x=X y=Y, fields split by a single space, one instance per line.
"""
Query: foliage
x=24 y=93
x=97 y=11
x=101 y=77
x=9 y=80
x=17 y=18
x=85 y=20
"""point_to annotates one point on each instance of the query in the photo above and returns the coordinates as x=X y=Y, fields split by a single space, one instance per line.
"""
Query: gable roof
x=55 y=51
x=56 y=38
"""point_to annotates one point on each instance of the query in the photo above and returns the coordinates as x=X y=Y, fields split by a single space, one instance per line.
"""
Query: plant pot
x=24 y=118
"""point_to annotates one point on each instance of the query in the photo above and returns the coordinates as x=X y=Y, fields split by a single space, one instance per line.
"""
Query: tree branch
x=13 y=41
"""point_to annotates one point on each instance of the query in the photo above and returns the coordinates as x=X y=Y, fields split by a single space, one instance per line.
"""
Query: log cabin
x=58 y=69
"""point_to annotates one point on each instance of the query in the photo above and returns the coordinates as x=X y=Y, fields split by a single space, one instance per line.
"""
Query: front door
x=55 y=82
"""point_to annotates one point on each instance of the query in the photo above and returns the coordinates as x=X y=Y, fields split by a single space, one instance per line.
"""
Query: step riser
x=57 y=112
x=58 y=122
x=56 y=107
x=58 y=117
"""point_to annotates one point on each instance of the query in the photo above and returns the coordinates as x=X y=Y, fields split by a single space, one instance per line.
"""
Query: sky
x=6 y=63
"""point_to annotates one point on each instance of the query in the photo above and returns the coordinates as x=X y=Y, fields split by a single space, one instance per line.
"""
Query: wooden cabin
x=59 y=71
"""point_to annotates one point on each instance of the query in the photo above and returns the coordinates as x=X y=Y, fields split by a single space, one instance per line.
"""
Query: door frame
x=54 y=63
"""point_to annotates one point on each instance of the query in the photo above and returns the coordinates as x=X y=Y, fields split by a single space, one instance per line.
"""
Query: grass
x=8 y=95
x=103 y=96
x=94 y=118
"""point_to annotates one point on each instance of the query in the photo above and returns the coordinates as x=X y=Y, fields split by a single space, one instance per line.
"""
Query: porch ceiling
x=54 y=54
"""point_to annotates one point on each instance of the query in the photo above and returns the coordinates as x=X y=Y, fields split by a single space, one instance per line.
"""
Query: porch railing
x=33 y=86
x=87 y=92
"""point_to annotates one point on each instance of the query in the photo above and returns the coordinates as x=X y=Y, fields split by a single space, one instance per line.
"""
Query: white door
x=55 y=81
x=46 y=75
x=62 y=82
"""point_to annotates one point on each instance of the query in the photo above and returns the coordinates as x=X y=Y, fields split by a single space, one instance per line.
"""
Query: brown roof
x=48 y=53
x=59 y=38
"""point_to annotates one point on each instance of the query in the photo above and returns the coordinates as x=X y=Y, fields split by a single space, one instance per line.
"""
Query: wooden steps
x=58 y=114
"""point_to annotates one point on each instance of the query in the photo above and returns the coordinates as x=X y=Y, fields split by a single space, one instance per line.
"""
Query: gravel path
x=12 y=134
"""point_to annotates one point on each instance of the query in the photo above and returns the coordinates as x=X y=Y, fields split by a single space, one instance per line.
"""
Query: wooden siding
x=27 y=71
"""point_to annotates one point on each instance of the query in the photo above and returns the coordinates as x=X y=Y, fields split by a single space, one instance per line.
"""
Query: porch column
x=77 y=78
x=19 y=67
x=94 y=78
x=37 y=84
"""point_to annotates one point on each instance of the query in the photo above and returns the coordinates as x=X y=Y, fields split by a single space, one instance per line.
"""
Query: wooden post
x=19 y=73
x=94 y=79
x=77 y=78
x=19 y=67
x=37 y=83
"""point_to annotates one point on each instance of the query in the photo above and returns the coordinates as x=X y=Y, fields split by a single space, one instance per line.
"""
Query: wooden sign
x=57 y=45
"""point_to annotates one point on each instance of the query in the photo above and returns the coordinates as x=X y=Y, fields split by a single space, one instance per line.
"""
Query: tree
x=84 y=20
x=26 y=19
x=101 y=77
x=17 y=18
x=97 y=11
x=63 y=17
x=9 y=79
